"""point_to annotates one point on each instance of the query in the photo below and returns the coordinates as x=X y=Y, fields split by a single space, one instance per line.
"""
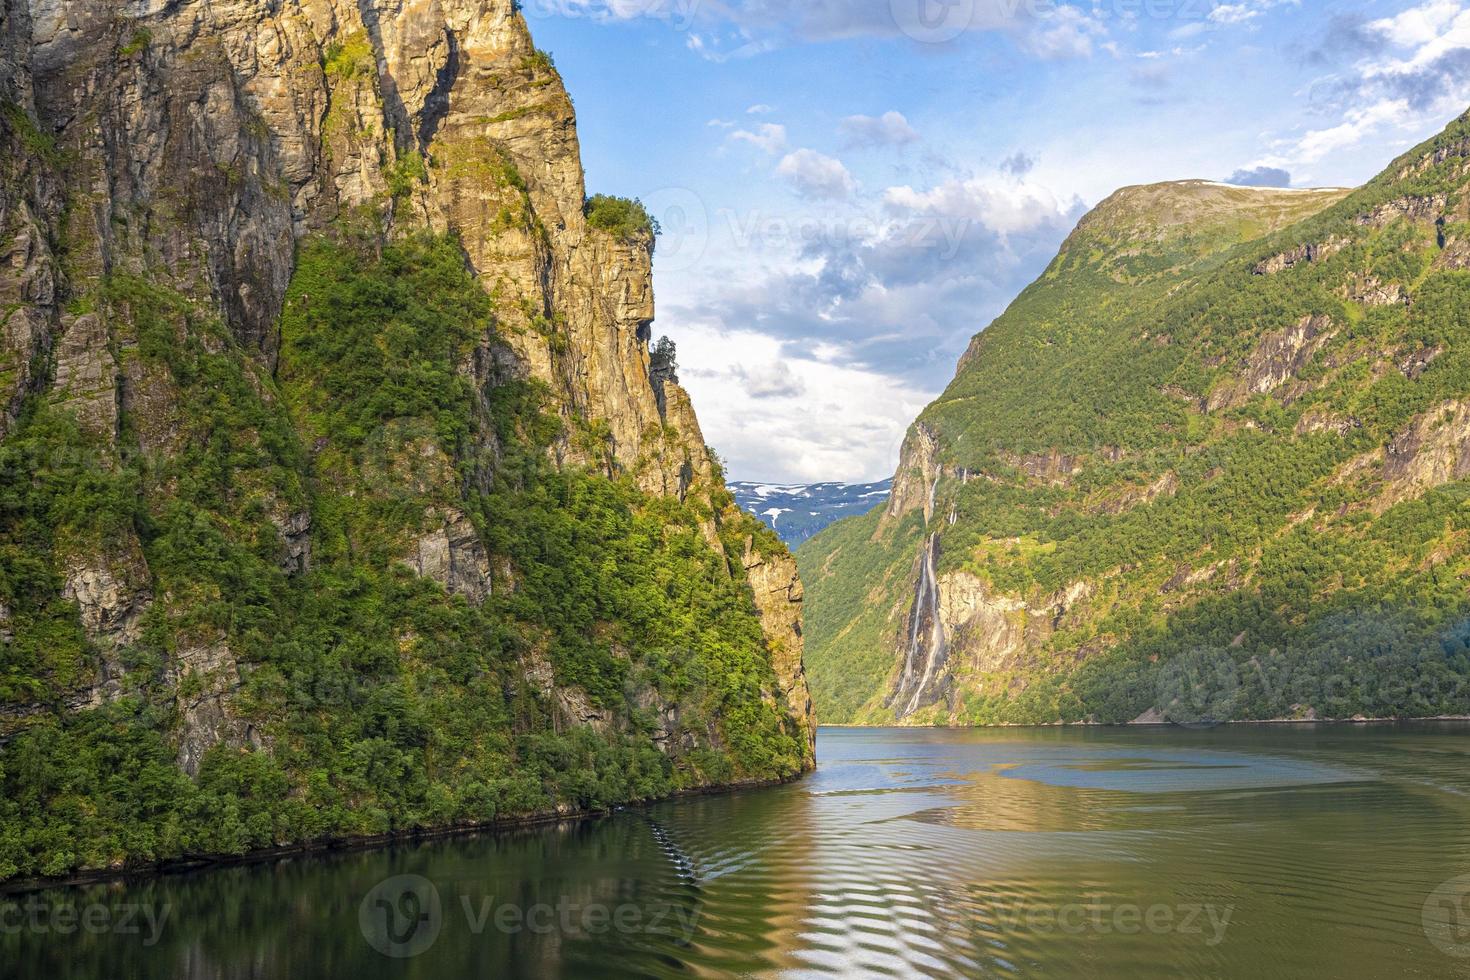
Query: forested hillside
x=1210 y=465
x=337 y=494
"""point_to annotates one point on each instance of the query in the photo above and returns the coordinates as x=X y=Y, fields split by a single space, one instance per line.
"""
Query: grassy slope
x=1105 y=358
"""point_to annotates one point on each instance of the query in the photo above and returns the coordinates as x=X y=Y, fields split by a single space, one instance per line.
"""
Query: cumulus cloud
x=833 y=422
x=1004 y=208
x=1260 y=177
x=1414 y=71
x=768 y=137
x=1066 y=32
x=889 y=129
x=845 y=327
x=816 y=176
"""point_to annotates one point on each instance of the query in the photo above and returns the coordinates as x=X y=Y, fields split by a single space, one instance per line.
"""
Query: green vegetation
x=540 y=62
x=352 y=57
x=624 y=219
x=137 y=44
x=42 y=145
x=368 y=699
x=1252 y=535
x=406 y=174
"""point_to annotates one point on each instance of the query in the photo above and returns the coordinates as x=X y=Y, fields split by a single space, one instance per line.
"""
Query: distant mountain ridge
x=798 y=511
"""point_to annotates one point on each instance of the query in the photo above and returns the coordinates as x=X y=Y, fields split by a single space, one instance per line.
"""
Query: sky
x=849 y=190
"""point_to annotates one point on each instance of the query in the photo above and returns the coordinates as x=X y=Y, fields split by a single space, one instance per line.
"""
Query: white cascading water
x=928 y=649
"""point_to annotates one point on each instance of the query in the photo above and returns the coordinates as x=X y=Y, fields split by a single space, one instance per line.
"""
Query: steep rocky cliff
x=1211 y=465
x=331 y=454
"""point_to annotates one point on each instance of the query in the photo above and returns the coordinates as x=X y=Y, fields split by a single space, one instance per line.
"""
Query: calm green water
x=1240 y=852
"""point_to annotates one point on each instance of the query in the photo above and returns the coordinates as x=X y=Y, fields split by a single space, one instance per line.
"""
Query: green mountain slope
x=1209 y=464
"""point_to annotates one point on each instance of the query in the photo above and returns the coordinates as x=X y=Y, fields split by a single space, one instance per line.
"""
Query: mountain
x=1211 y=465
x=799 y=511
x=338 y=497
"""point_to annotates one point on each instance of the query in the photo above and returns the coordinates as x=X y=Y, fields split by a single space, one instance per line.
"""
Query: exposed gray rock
x=1276 y=360
x=454 y=556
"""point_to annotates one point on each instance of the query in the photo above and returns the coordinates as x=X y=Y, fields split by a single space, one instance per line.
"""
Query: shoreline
x=368 y=842
x=1154 y=724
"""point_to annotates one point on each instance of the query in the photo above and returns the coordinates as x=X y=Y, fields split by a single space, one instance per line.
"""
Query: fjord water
x=1247 y=851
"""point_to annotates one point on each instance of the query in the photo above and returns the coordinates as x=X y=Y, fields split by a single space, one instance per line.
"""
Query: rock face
x=1430 y=452
x=1277 y=359
x=183 y=151
x=778 y=598
x=918 y=475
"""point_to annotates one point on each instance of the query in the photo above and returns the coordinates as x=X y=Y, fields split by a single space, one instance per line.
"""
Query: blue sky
x=851 y=189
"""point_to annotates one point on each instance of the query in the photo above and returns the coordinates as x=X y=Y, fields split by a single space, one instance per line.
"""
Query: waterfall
x=926 y=643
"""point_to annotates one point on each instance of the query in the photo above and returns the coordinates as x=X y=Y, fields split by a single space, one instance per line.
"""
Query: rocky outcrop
x=778 y=598
x=1418 y=362
x=1431 y=451
x=1052 y=468
x=453 y=555
x=1277 y=359
x=112 y=590
x=1299 y=255
x=1456 y=254
x=1428 y=209
x=917 y=480
x=1316 y=420
x=1370 y=290
x=206 y=677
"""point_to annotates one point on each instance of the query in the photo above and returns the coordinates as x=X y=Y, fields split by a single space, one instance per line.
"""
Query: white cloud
x=1420 y=26
x=1359 y=124
x=889 y=129
x=760 y=109
x=795 y=419
x=1005 y=207
x=1418 y=77
x=1065 y=32
x=772 y=380
x=768 y=137
x=816 y=176
x=730 y=29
